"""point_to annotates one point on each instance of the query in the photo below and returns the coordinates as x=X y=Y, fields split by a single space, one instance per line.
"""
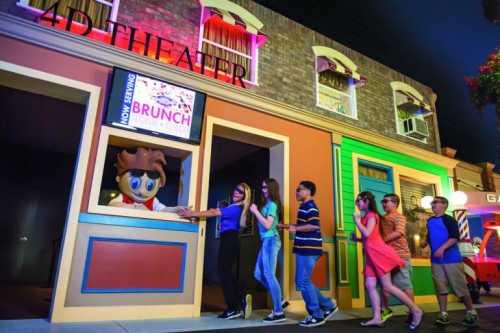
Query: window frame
x=399 y=121
x=150 y=142
x=114 y=4
x=254 y=58
x=352 y=96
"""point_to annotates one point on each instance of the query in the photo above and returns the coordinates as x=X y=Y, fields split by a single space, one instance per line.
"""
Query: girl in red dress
x=380 y=260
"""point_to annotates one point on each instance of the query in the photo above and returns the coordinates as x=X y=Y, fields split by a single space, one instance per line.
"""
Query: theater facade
x=226 y=91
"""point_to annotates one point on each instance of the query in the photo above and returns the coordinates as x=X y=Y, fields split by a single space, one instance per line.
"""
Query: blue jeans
x=315 y=302
x=265 y=269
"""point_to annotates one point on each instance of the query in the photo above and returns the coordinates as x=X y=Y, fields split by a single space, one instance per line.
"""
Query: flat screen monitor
x=145 y=104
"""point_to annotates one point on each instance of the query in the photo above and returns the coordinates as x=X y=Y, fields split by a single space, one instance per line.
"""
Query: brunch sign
x=142 y=103
x=146 y=44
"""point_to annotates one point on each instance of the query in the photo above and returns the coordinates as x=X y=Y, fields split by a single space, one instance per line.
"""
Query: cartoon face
x=139 y=185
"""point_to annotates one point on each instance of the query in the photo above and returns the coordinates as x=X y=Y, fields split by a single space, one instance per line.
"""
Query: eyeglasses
x=385 y=201
x=264 y=186
x=239 y=190
x=298 y=189
x=139 y=173
x=360 y=199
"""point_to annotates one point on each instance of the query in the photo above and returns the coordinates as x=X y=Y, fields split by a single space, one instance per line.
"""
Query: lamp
x=458 y=199
x=425 y=202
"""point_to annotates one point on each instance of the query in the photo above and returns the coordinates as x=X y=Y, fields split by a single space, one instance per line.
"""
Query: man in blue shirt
x=446 y=260
x=308 y=248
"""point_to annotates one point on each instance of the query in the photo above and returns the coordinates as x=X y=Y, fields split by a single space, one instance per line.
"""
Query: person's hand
x=253 y=208
x=439 y=253
x=185 y=212
x=283 y=226
x=357 y=217
x=292 y=228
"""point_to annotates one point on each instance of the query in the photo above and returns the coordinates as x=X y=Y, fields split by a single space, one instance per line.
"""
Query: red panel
x=130 y=265
x=320 y=273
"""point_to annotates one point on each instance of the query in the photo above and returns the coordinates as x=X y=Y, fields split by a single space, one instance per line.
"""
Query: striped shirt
x=308 y=243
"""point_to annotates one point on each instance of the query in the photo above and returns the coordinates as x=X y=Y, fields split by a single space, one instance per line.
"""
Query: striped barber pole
x=465 y=245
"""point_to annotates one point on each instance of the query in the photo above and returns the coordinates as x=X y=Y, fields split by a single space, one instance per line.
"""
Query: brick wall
x=286 y=62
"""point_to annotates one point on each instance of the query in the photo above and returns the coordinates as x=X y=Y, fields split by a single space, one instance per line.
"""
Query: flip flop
x=366 y=324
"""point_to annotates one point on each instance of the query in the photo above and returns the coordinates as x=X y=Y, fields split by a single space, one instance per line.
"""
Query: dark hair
x=273 y=188
x=368 y=196
x=309 y=185
x=394 y=197
x=443 y=199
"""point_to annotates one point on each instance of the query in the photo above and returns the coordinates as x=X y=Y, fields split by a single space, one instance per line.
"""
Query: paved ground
x=344 y=321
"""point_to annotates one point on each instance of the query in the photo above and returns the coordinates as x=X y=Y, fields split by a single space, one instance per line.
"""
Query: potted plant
x=485 y=87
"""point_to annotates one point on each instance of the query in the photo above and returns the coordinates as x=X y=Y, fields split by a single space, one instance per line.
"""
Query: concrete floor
x=207 y=322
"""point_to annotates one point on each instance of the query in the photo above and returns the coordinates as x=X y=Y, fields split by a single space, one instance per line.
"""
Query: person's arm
x=399 y=230
x=453 y=236
x=188 y=213
x=367 y=230
x=312 y=220
x=267 y=221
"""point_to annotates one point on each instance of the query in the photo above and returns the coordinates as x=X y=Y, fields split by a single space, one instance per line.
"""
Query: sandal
x=368 y=324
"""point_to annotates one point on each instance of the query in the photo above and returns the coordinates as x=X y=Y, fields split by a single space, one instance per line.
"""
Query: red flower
x=471 y=82
x=485 y=69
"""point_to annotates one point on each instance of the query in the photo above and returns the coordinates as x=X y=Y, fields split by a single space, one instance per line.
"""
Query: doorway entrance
x=237 y=153
x=40 y=138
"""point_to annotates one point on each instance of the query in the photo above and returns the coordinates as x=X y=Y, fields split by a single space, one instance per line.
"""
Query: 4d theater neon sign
x=146 y=44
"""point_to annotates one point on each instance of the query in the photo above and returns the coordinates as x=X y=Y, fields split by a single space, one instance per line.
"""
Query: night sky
x=434 y=42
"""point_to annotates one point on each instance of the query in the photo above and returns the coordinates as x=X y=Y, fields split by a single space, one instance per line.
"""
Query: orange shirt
x=396 y=222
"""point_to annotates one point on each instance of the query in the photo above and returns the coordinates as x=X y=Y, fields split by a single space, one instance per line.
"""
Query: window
x=230 y=32
x=98 y=10
x=336 y=82
x=230 y=43
x=139 y=175
x=416 y=217
x=411 y=112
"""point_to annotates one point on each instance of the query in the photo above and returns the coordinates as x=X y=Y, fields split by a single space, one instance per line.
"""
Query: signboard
x=146 y=104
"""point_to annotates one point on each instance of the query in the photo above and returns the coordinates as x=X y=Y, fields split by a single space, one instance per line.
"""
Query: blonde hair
x=245 y=203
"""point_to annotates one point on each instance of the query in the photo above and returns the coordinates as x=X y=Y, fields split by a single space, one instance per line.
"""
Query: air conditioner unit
x=416 y=128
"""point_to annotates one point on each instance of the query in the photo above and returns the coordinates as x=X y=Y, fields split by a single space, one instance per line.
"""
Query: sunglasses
x=434 y=202
x=385 y=201
x=139 y=173
x=360 y=199
x=239 y=190
x=298 y=189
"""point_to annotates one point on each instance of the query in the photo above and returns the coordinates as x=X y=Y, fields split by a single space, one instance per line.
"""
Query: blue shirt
x=230 y=218
x=308 y=243
x=269 y=209
x=439 y=231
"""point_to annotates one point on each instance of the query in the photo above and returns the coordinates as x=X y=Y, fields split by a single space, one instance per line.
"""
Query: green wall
x=422 y=275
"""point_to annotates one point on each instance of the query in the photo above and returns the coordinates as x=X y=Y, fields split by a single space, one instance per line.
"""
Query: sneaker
x=284 y=304
x=247 y=306
x=329 y=313
x=442 y=319
x=230 y=315
x=275 y=318
x=311 y=321
x=470 y=319
x=386 y=314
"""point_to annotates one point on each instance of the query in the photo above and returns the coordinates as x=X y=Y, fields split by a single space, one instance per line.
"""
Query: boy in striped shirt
x=307 y=247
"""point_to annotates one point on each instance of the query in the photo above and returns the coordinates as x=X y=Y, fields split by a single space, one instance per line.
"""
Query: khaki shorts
x=401 y=277
x=450 y=275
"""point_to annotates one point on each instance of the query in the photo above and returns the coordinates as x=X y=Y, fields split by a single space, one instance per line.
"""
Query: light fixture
x=458 y=199
x=425 y=202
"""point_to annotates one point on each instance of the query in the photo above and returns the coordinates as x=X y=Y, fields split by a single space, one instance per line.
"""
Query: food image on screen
x=157 y=106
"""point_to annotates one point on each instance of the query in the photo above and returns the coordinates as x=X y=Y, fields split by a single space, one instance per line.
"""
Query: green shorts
x=401 y=277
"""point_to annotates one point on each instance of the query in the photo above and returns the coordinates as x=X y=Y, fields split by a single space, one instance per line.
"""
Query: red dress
x=380 y=258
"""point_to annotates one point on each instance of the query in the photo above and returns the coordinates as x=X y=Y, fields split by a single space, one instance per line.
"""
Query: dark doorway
x=40 y=137
x=233 y=162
